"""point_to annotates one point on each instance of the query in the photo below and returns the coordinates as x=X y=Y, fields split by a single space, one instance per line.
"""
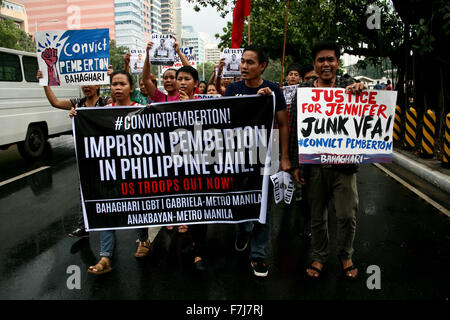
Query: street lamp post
x=36 y=24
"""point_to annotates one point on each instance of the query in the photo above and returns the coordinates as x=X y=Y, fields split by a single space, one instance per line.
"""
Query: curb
x=438 y=179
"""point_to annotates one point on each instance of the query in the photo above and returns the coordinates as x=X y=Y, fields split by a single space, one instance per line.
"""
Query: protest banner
x=188 y=53
x=73 y=57
x=208 y=96
x=188 y=162
x=162 y=52
x=338 y=127
x=137 y=58
x=232 y=66
x=289 y=93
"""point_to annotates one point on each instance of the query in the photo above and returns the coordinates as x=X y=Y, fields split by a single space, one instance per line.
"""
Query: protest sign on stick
x=337 y=127
x=73 y=57
x=198 y=161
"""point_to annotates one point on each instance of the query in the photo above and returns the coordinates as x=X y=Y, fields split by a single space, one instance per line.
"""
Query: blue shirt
x=240 y=89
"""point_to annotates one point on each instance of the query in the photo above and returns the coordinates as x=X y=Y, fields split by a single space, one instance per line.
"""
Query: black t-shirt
x=240 y=89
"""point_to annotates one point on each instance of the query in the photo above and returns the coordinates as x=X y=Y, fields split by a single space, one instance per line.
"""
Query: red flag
x=241 y=10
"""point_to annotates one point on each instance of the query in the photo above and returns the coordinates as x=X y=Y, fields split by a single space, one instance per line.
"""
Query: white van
x=26 y=116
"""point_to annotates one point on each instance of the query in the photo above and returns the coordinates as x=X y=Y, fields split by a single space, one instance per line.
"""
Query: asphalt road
x=398 y=234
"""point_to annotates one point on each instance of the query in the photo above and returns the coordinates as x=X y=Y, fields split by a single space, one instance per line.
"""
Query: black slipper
x=347 y=277
x=315 y=269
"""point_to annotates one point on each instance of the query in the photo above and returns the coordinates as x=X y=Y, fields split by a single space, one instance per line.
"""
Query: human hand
x=296 y=174
x=265 y=91
x=149 y=46
x=126 y=58
x=356 y=88
x=39 y=75
x=72 y=112
x=183 y=96
x=110 y=70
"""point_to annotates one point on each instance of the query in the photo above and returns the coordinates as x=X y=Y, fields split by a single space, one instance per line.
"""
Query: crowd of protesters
x=316 y=184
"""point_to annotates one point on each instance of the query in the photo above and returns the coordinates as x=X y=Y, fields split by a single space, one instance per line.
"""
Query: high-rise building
x=64 y=15
x=178 y=20
x=155 y=15
x=16 y=12
x=212 y=53
x=190 y=38
x=129 y=23
x=168 y=16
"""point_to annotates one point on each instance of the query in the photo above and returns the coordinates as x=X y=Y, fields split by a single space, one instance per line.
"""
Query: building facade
x=190 y=38
x=178 y=20
x=212 y=53
x=63 y=15
x=16 y=12
x=168 y=16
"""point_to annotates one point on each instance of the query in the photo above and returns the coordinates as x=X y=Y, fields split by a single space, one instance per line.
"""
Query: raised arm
x=177 y=48
x=146 y=74
x=126 y=62
x=219 y=77
x=54 y=101
x=213 y=76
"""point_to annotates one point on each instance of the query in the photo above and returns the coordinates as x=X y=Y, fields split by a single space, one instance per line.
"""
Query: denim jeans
x=142 y=234
x=108 y=240
x=260 y=233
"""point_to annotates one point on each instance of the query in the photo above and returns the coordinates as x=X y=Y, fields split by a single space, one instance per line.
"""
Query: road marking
x=413 y=189
x=29 y=173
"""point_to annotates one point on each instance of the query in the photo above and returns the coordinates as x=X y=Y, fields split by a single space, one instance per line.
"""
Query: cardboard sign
x=338 y=127
x=73 y=57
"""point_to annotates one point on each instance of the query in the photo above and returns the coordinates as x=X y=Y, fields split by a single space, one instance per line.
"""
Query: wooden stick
x=284 y=43
x=249 y=29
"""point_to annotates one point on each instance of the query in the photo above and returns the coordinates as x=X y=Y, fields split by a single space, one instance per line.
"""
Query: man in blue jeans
x=253 y=63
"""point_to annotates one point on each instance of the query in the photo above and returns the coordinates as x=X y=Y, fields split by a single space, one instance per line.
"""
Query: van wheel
x=34 y=143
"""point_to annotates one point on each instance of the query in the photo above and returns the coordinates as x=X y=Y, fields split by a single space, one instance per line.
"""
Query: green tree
x=12 y=37
x=116 y=55
x=209 y=69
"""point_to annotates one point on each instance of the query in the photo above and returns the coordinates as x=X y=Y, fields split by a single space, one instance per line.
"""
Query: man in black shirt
x=253 y=63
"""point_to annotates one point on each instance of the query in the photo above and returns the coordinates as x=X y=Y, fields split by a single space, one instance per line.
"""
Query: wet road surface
x=397 y=231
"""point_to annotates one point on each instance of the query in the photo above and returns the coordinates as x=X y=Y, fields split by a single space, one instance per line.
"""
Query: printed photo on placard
x=137 y=60
x=232 y=66
x=162 y=52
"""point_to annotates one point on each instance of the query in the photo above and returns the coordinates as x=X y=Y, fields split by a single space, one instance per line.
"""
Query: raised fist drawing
x=50 y=57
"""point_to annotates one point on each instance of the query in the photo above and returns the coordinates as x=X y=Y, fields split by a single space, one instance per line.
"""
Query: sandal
x=103 y=266
x=311 y=267
x=142 y=249
x=183 y=229
x=345 y=271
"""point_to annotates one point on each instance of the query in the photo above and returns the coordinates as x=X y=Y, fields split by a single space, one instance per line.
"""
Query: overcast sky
x=207 y=20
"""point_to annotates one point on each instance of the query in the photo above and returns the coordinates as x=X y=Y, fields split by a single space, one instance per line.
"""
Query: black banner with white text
x=187 y=162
